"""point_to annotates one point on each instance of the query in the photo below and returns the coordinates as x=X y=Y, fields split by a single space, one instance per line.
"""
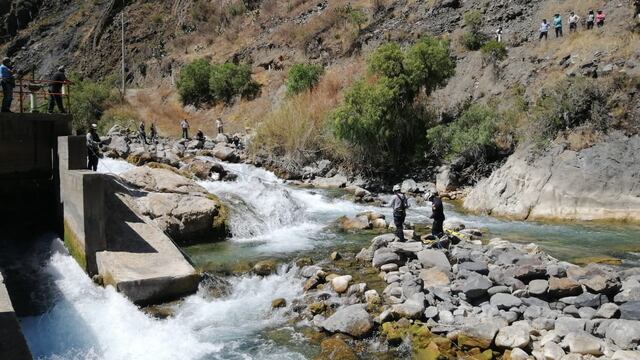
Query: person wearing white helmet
x=93 y=147
x=437 y=214
x=399 y=204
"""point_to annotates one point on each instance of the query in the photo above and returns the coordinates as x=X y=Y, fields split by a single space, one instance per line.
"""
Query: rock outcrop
x=597 y=183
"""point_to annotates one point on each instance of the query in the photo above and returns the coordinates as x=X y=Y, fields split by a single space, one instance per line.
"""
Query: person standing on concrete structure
x=220 y=126
x=399 y=204
x=185 y=129
x=557 y=24
x=8 y=82
x=437 y=214
x=93 y=147
x=55 y=90
x=573 y=22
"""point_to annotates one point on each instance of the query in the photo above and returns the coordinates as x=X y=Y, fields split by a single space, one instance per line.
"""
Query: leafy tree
x=494 y=51
x=90 y=100
x=228 y=80
x=429 y=63
x=387 y=60
x=193 y=85
x=303 y=77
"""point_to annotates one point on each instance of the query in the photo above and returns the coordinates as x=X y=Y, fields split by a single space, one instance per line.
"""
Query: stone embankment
x=596 y=183
x=477 y=301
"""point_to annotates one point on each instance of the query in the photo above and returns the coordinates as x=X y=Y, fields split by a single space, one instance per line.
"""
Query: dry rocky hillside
x=271 y=36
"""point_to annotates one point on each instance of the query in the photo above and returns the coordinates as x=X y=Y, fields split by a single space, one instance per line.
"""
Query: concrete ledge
x=13 y=345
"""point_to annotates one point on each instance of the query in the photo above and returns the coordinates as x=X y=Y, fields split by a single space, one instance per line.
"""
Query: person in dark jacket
x=55 y=90
x=437 y=214
x=142 y=133
x=153 y=133
x=399 y=204
x=93 y=147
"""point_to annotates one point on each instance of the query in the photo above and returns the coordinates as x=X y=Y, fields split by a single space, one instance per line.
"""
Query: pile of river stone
x=498 y=297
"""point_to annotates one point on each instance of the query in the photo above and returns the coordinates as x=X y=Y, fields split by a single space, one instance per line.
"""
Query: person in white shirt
x=544 y=30
x=573 y=22
x=185 y=129
x=220 y=126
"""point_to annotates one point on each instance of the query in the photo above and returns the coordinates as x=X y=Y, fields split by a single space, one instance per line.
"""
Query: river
x=269 y=220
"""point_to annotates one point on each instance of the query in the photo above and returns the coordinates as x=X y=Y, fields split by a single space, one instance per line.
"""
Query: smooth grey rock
x=519 y=354
x=571 y=310
x=410 y=248
x=430 y=258
x=587 y=313
x=566 y=325
x=431 y=312
x=505 y=301
x=580 y=342
x=607 y=311
x=476 y=286
x=552 y=351
x=384 y=256
x=626 y=355
x=353 y=320
x=624 y=333
x=629 y=294
x=515 y=336
x=445 y=317
x=410 y=309
x=389 y=267
x=434 y=277
x=538 y=287
x=590 y=300
x=543 y=324
x=500 y=289
x=474 y=266
x=630 y=310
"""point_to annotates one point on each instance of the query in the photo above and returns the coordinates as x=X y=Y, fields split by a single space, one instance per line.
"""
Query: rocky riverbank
x=474 y=300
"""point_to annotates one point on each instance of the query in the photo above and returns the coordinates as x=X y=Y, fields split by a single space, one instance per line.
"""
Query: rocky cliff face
x=598 y=183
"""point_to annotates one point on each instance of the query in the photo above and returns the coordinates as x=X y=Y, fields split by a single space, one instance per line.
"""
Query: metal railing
x=31 y=95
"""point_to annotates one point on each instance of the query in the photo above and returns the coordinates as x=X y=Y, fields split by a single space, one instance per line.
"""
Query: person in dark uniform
x=437 y=214
x=399 y=204
x=55 y=90
x=200 y=136
x=153 y=132
x=93 y=147
x=142 y=133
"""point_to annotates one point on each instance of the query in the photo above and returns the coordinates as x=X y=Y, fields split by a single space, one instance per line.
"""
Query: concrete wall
x=106 y=235
x=12 y=343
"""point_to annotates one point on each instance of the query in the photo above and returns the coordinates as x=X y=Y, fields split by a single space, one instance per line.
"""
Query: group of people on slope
x=8 y=83
x=184 y=125
x=399 y=203
x=593 y=18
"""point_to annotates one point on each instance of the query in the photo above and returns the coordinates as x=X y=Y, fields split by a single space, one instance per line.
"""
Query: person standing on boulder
x=55 y=90
x=399 y=204
x=437 y=214
x=142 y=133
x=220 y=126
x=93 y=147
x=153 y=133
x=185 y=129
x=8 y=82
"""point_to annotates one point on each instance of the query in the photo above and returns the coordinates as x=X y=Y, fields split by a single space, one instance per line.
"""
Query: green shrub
x=90 y=99
x=570 y=103
x=201 y=83
x=303 y=77
x=193 y=85
x=229 y=80
x=494 y=51
x=472 y=135
x=383 y=119
x=473 y=39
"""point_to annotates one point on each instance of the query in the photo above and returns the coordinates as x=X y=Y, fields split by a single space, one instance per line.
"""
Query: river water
x=269 y=220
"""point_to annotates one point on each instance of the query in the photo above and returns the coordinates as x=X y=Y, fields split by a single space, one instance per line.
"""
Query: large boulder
x=352 y=320
x=581 y=342
x=161 y=180
x=429 y=258
x=624 y=333
x=567 y=184
x=505 y=301
x=225 y=153
x=476 y=286
x=384 y=256
x=516 y=336
x=354 y=224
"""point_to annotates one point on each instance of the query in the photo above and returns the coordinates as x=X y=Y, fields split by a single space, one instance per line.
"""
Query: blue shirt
x=5 y=72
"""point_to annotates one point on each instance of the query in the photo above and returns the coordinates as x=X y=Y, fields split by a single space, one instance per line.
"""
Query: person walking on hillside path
x=55 y=90
x=93 y=147
x=399 y=204
x=591 y=19
x=185 y=129
x=8 y=82
x=544 y=30
x=437 y=214
x=220 y=126
x=600 y=18
x=557 y=25
x=573 y=22
x=499 y=34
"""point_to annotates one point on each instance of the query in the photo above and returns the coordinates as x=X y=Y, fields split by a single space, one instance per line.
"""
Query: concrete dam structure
x=44 y=183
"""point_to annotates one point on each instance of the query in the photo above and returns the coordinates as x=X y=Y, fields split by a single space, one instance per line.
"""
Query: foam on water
x=113 y=166
x=91 y=322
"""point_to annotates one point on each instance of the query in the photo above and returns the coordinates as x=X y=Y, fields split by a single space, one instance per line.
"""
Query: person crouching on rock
x=437 y=214
x=399 y=204
x=93 y=147
x=200 y=136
